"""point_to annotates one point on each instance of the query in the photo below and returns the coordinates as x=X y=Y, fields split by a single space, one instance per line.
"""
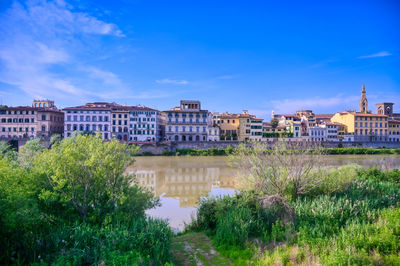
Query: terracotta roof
x=323 y=115
x=30 y=108
x=361 y=114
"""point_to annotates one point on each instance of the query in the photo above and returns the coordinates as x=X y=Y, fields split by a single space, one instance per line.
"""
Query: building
x=228 y=125
x=188 y=122
x=394 y=130
x=244 y=126
x=268 y=128
x=364 y=126
x=146 y=124
x=363 y=101
x=89 y=118
x=334 y=131
x=120 y=122
x=387 y=109
x=318 y=134
x=256 y=129
x=42 y=119
x=213 y=133
x=323 y=118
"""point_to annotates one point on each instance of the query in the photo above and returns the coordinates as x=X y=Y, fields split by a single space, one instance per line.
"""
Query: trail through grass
x=196 y=249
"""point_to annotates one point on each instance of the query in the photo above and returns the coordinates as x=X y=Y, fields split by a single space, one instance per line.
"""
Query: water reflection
x=182 y=181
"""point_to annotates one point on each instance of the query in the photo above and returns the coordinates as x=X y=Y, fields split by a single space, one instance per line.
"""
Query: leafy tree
x=274 y=123
x=56 y=138
x=87 y=176
x=29 y=152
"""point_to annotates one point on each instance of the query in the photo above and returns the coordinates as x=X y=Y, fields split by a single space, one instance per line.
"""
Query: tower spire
x=363 y=100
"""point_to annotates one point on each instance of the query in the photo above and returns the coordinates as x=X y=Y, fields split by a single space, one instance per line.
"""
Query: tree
x=86 y=175
x=287 y=169
x=274 y=123
x=29 y=152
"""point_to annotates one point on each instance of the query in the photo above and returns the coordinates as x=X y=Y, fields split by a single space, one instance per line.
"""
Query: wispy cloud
x=380 y=54
x=41 y=49
x=291 y=105
x=226 y=77
x=172 y=81
x=323 y=63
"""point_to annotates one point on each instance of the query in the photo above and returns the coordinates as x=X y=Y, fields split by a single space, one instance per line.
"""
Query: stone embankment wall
x=159 y=149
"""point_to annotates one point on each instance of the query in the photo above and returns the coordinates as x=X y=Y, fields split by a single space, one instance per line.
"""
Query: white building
x=317 y=134
x=332 y=131
x=256 y=129
x=213 y=133
x=146 y=124
x=90 y=118
x=295 y=128
x=188 y=122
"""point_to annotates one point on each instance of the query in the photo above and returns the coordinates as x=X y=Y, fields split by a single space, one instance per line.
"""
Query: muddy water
x=182 y=181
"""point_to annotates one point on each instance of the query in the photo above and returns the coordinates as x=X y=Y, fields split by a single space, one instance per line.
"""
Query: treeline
x=291 y=212
x=73 y=204
x=361 y=151
x=229 y=150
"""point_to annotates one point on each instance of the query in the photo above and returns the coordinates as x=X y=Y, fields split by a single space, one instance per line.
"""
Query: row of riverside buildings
x=189 y=123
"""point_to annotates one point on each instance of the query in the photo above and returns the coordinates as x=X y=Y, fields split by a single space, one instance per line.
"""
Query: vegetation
x=205 y=152
x=74 y=204
x=229 y=150
x=350 y=216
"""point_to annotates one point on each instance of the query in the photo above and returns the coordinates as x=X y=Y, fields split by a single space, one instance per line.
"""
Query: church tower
x=363 y=101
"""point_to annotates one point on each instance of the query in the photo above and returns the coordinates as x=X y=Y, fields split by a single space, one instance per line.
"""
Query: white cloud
x=380 y=54
x=288 y=106
x=172 y=81
x=226 y=77
x=107 y=77
x=42 y=46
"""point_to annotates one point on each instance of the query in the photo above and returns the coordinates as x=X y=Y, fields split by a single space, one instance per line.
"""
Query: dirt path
x=196 y=249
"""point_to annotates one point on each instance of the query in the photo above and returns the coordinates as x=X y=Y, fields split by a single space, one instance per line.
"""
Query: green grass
x=355 y=221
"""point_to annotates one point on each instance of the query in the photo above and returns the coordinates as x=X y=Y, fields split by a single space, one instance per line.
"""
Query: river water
x=180 y=181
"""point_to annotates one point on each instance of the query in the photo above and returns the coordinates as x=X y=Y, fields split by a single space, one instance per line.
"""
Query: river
x=180 y=181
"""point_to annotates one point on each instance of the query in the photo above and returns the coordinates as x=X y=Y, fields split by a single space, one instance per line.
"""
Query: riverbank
x=351 y=218
x=230 y=150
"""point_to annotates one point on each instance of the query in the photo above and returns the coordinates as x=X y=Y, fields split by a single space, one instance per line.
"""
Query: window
x=43 y=128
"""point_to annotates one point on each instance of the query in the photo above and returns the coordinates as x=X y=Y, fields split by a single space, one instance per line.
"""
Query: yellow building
x=364 y=126
x=228 y=125
x=394 y=130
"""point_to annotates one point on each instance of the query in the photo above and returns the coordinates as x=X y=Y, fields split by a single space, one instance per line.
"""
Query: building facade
x=31 y=122
x=394 y=130
x=364 y=126
x=89 y=118
x=120 y=123
x=228 y=125
x=318 y=134
x=188 y=122
x=146 y=124
x=256 y=129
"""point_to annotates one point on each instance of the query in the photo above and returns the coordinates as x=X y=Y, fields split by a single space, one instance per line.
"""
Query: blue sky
x=231 y=55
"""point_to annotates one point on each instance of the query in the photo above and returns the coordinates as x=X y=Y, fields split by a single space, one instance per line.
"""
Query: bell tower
x=363 y=101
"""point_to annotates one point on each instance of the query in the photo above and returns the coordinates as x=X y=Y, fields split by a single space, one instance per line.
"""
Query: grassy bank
x=353 y=217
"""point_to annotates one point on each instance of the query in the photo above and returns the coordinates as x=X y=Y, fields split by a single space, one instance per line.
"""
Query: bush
x=142 y=241
x=73 y=204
